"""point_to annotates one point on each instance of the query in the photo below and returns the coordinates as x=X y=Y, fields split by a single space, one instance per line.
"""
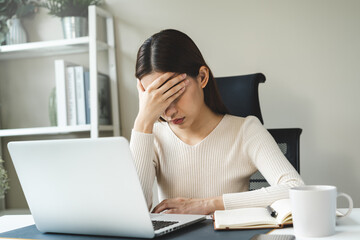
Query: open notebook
x=259 y=217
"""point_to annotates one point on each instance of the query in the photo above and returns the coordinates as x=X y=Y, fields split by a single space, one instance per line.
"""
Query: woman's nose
x=171 y=111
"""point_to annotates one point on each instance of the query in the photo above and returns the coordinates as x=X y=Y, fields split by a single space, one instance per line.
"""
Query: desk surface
x=346 y=229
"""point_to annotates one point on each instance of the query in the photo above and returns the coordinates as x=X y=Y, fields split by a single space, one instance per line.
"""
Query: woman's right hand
x=157 y=98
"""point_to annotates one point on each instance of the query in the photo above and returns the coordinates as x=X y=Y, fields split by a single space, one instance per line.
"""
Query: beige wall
x=309 y=51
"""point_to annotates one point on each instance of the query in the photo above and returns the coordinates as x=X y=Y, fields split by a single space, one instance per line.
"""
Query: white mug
x=314 y=210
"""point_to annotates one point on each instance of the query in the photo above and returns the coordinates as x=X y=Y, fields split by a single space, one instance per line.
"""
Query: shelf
x=50 y=130
x=48 y=48
x=55 y=48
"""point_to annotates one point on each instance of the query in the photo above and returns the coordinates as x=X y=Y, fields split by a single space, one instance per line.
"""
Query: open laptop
x=87 y=186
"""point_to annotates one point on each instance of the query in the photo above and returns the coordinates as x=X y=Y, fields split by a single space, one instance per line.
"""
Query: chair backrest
x=240 y=96
x=288 y=140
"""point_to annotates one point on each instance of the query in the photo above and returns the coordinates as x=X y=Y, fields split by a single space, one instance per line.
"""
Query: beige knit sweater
x=221 y=164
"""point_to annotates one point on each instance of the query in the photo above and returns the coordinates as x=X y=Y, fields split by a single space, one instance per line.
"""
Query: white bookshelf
x=89 y=45
x=51 y=130
x=48 y=48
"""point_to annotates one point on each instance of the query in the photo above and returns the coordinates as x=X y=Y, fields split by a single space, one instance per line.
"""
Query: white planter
x=16 y=34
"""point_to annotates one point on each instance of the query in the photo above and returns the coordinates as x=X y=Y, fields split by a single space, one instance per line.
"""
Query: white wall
x=308 y=50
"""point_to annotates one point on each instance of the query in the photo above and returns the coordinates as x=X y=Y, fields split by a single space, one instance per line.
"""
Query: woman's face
x=186 y=108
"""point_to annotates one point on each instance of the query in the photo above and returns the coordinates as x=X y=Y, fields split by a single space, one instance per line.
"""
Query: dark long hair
x=173 y=51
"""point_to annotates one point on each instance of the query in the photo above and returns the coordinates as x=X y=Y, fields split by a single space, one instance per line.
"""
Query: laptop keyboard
x=161 y=224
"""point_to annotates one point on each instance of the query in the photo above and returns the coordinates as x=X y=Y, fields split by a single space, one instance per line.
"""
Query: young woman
x=201 y=156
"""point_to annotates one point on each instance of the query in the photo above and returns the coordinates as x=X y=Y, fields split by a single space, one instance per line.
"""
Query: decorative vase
x=74 y=27
x=52 y=108
x=17 y=33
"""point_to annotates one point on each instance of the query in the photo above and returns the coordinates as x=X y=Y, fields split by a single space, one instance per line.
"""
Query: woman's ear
x=203 y=76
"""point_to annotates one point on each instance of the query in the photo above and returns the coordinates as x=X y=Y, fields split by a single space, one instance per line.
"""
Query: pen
x=272 y=212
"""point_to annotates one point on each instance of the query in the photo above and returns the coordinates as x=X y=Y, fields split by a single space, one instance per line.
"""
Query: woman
x=201 y=156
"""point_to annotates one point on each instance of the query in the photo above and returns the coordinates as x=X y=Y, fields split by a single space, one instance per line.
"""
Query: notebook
x=277 y=215
x=87 y=186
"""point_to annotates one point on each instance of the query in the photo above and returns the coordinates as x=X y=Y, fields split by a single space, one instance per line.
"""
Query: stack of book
x=73 y=95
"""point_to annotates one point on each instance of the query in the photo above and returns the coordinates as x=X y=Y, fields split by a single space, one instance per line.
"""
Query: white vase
x=16 y=34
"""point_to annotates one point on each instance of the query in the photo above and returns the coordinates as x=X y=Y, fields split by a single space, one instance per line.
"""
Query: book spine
x=87 y=96
x=104 y=104
x=80 y=95
x=71 y=97
x=60 y=83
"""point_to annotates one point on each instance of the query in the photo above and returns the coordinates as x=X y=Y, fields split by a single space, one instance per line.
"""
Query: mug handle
x=350 y=203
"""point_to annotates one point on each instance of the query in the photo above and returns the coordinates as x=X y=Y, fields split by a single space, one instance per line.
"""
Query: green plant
x=18 y=8
x=14 y=8
x=7 y=8
x=4 y=181
x=3 y=29
x=65 y=8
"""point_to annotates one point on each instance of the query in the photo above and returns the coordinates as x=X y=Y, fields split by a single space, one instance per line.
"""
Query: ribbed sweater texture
x=220 y=165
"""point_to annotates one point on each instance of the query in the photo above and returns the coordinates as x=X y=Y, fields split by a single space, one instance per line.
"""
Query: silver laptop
x=87 y=186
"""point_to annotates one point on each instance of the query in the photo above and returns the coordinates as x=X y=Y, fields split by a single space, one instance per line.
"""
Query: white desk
x=346 y=229
x=13 y=219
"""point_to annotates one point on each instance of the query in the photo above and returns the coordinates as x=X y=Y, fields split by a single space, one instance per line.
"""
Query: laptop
x=88 y=186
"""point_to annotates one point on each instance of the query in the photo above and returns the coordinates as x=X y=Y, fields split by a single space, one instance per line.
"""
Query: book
x=252 y=218
x=80 y=94
x=104 y=103
x=71 y=96
x=60 y=83
x=104 y=106
x=87 y=96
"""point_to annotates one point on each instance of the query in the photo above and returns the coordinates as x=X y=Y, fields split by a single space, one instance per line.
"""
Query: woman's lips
x=178 y=120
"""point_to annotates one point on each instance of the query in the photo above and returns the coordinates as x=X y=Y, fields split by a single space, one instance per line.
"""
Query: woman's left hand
x=203 y=206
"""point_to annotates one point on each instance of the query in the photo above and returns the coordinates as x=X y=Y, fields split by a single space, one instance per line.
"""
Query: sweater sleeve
x=262 y=150
x=143 y=151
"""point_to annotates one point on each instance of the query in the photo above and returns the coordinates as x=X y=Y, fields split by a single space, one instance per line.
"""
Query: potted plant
x=4 y=184
x=11 y=13
x=73 y=14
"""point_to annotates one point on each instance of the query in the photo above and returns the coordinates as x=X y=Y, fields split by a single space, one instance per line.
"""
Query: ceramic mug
x=314 y=210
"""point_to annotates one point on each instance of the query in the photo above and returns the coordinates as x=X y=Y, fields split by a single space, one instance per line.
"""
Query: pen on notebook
x=272 y=212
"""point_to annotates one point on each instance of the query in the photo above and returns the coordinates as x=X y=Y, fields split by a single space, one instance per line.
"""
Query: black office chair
x=240 y=96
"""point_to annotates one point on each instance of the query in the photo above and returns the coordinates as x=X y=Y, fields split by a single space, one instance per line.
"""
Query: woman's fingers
x=164 y=205
x=180 y=86
x=157 y=83
x=154 y=101
x=173 y=211
x=169 y=91
x=170 y=84
x=175 y=91
x=139 y=86
x=187 y=206
x=166 y=82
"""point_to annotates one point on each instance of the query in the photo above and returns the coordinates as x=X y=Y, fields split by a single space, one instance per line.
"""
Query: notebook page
x=243 y=217
x=283 y=209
